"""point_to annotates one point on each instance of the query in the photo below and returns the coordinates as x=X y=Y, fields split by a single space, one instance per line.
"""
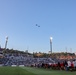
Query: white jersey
x=69 y=63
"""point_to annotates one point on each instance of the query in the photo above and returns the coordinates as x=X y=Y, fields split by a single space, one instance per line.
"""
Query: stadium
x=42 y=37
x=17 y=62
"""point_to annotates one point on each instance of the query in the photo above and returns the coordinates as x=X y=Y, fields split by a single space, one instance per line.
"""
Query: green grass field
x=31 y=71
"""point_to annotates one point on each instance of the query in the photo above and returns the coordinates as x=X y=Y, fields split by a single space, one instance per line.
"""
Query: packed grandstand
x=61 y=61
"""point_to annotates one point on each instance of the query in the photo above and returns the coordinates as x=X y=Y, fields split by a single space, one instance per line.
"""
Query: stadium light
x=6 y=42
x=51 y=44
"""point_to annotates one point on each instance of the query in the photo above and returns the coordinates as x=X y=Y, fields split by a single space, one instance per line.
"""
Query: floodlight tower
x=51 y=44
x=6 y=42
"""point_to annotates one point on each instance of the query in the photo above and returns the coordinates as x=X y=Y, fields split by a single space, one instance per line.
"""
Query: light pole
x=6 y=43
x=51 y=44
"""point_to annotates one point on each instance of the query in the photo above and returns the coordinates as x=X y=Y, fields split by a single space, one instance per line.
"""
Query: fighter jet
x=37 y=25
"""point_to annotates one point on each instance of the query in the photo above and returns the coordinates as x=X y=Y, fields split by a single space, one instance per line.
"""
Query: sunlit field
x=32 y=71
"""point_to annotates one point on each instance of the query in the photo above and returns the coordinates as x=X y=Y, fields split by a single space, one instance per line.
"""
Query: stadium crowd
x=44 y=62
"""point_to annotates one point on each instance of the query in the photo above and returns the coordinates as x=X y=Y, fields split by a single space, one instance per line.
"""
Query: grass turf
x=14 y=71
x=31 y=71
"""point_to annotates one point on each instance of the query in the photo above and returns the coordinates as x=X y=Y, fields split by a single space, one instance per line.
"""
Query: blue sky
x=57 y=18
